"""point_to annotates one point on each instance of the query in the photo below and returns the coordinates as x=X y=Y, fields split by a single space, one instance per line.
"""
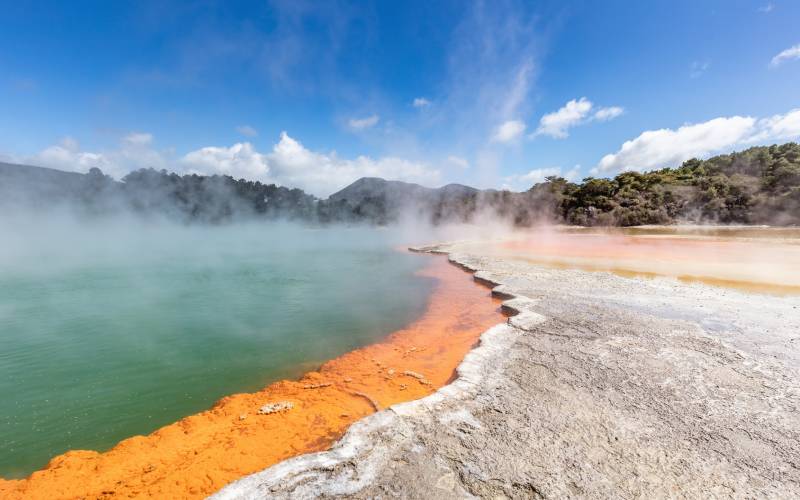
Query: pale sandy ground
x=601 y=387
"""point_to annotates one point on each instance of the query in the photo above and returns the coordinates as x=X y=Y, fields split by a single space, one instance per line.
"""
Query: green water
x=108 y=332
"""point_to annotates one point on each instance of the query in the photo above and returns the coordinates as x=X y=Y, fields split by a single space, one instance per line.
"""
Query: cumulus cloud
x=363 y=123
x=289 y=163
x=421 y=102
x=67 y=156
x=667 y=147
x=322 y=174
x=247 y=130
x=508 y=131
x=573 y=113
x=557 y=123
x=239 y=161
x=134 y=151
x=525 y=181
x=458 y=161
x=778 y=127
x=786 y=55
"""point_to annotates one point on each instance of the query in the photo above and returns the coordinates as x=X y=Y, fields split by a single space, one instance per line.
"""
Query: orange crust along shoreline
x=200 y=454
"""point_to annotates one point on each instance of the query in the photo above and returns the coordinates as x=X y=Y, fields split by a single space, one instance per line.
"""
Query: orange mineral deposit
x=245 y=433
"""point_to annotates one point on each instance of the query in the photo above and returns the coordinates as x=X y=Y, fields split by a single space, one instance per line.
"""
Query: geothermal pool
x=108 y=331
x=752 y=259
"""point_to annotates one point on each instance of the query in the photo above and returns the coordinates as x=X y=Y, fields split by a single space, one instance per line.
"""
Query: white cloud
x=778 y=127
x=508 y=131
x=67 y=156
x=573 y=113
x=525 y=181
x=421 y=102
x=538 y=174
x=247 y=130
x=786 y=55
x=458 y=161
x=134 y=152
x=289 y=163
x=668 y=148
x=323 y=174
x=363 y=123
x=607 y=114
x=239 y=161
x=138 y=139
x=293 y=165
x=767 y=8
x=573 y=173
x=557 y=123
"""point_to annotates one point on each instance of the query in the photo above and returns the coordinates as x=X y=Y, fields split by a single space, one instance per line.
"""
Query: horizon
x=431 y=187
x=318 y=96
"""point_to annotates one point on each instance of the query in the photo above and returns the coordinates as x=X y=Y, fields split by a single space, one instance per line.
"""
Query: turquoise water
x=109 y=331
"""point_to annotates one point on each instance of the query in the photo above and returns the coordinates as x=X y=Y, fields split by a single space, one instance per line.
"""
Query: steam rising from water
x=112 y=327
x=174 y=316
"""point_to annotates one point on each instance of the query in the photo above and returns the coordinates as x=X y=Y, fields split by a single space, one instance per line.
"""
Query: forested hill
x=147 y=192
x=760 y=185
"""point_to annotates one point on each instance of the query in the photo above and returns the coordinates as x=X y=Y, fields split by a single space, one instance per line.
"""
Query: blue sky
x=316 y=94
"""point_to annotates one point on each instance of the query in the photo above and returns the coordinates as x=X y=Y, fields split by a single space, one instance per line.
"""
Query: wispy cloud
x=698 y=68
x=491 y=72
x=508 y=131
x=525 y=181
x=669 y=147
x=767 y=8
x=421 y=102
x=607 y=114
x=138 y=139
x=363 y=123
x=574 y=113
x=247 y=130
x=458 y=161
x=786 y=55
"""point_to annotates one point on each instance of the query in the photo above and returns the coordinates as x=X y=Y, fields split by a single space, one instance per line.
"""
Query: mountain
x=392 y=192
x=383 y=201
x=24 y=183
x=397 y=191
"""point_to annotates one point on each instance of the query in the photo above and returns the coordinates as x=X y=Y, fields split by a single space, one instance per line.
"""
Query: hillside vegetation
x=760 y=185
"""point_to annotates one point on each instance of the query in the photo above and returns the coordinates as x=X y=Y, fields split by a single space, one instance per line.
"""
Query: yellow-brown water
x=759 y=260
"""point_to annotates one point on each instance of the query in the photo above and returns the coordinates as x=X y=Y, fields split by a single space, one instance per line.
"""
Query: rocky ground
x=599 y=387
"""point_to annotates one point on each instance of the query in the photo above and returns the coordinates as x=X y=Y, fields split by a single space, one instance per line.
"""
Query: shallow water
x=108 y=332
x=752 y=259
